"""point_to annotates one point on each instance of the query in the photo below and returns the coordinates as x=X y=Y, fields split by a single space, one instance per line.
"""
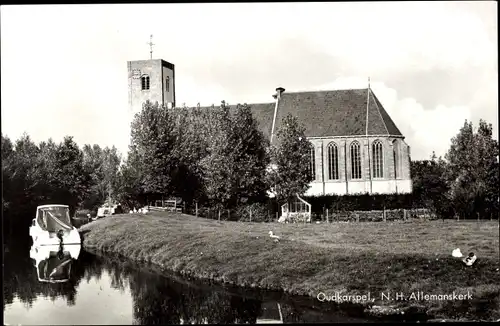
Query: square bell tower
x=152 y=80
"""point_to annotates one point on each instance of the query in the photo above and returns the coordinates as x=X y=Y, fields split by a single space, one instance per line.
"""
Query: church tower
x=152 y=80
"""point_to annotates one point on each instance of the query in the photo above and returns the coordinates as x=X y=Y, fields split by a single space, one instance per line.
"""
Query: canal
x=109 y=290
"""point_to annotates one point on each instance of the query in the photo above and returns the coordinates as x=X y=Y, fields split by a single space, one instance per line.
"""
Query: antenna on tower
x=151 y=46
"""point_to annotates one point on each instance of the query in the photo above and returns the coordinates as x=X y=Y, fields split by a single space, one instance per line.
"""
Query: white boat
x=108 y=210
x=53 y=263
x=52 y=226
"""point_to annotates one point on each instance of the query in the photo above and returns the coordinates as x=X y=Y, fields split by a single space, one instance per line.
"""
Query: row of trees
x=218 y=158
x=463 y=184
x=35 y=174
x=215 y=156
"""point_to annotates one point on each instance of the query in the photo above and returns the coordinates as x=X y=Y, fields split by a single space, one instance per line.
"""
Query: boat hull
x=46 y=238
x=39 y=253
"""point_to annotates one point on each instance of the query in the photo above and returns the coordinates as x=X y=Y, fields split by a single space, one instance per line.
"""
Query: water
x=113 y=291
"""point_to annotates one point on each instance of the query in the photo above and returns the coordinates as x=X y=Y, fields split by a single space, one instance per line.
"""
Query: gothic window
x=312 y=166
x=168 y=83
x=395 y=153
x=355 y=160
x=333 y=162
x=145 y=82
x=378 y=163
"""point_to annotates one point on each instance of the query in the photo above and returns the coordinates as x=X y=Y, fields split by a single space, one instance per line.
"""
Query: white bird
x=457 y=253
x=135 y=210
x=469 y=260
x=275 y=237
x=130 y=212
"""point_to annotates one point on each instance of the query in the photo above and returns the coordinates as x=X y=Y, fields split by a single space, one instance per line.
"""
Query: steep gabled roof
x=328 y=113
x=337 y=113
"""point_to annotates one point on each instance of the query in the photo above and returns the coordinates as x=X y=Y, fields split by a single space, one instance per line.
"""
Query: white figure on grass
x=468 y=260
x=457 y=253
x=274 y=237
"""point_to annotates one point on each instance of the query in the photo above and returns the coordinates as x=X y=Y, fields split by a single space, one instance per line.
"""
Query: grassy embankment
x=351 y=258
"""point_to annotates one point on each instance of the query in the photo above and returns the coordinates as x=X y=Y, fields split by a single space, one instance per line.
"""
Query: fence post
x=228 y=215
x=219 y=214
x=327 y=218
x=196 y=209
x=385 y=218
x=276 y=215
x=250 y=214
x=404 y=214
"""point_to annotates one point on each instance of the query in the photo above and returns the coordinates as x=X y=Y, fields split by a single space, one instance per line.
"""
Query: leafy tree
x=190 y=148
x=92 y=163
x=290 y=159
x=7 y=165
x=71 y=180
x=472 y=171
x=111 y=159
x=250 y=157
x=130 y=189
x=218 y=166
x=154 y=140
x=429 y=184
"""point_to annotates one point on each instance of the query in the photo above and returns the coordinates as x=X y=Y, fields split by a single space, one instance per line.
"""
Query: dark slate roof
x=337 y=113
x=262 y=112
x=328 y=113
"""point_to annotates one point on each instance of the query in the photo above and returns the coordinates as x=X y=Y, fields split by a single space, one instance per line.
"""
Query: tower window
x=167 y=82
x=145 y=82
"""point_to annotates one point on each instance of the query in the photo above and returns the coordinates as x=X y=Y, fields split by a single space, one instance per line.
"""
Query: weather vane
x=151 y=46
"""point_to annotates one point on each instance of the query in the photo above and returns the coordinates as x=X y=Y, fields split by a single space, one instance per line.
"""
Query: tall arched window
x=355 y=160
x=167 y=82
x=395 y=153
x=333 y=161
x=312 y=165
x=145 y=82
x=378 y=159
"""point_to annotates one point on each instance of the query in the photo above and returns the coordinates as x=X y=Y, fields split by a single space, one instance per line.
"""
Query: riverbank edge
x=384 y=312
x=367 y=310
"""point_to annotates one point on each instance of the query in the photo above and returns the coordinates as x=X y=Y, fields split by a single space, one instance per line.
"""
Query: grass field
x=349 y=258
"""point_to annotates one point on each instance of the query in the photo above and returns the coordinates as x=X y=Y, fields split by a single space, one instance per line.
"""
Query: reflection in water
x=118 y=292
x=53 y=263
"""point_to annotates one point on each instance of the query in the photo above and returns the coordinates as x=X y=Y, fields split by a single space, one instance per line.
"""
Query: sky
x=431 y=64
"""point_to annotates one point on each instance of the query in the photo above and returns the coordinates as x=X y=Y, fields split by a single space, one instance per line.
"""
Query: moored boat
x=52 y=226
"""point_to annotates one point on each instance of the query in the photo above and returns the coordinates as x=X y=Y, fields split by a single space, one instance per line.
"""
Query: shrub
x=256 y=212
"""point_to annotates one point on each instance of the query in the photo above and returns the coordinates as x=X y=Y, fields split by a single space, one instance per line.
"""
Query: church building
x=356 y=146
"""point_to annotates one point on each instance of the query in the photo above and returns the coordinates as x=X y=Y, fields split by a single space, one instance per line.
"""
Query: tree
x=218 y=165
x=131 y=188
x=102 y=166
x=429 y=184
x=472 y=171
x=154 y=140
x=190 y=148
x=290 y=158
x=92 y=163
x=72 y=183
x=250 y=156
